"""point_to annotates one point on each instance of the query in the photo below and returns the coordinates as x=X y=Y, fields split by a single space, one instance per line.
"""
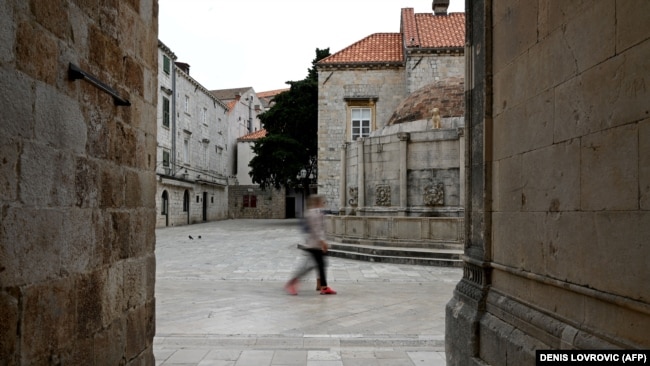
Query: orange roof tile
x=376 y=48
x=440 y=31
x=421 y=30
x=271 y=93
x=253 y=135
x=409 y=28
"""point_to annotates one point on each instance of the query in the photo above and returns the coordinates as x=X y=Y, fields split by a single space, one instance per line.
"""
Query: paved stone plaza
x=220 y=301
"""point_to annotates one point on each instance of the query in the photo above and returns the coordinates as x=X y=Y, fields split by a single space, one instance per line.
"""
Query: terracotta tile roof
x=440 y=31
x=376 y=48
x=253 y=135
x=421 y=30
x=228 y=94
x=410 y=28
x=271 y=93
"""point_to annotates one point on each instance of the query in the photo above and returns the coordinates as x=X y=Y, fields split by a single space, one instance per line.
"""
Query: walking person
x=316 y=246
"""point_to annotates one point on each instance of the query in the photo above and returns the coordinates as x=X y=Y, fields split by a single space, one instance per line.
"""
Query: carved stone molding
x=382 y=195
x=354 y=196
x=434 y=195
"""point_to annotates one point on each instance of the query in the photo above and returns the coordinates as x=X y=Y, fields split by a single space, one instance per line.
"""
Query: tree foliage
x=291 y=142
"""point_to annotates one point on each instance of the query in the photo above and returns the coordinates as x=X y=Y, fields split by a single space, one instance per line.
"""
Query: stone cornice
x=163 y=47
x=201 y=87
x=364 y=65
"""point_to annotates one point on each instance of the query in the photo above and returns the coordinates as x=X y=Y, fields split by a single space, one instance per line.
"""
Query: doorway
x=290 y=208
x=165 y=207
x=205 y=206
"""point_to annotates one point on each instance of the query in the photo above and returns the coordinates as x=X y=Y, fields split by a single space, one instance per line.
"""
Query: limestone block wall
x=557 y=251
x=269 y=204
x=202 y=121
x=198 y=157
x=433 y=162
x=411 y=232
x=423 y=69
x=207 y=202
x=77 y=183
x=386 y=85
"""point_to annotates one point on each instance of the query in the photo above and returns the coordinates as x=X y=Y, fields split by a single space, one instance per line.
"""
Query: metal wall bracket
x=75 y=73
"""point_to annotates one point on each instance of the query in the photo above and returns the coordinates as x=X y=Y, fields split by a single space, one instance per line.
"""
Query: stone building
x=77 y=183
x=192 y=155
x=243 y=108
x=558 y=204
x=361 y=86
x=248 y=200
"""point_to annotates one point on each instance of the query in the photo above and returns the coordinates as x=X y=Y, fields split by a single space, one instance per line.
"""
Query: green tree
x=291 y=143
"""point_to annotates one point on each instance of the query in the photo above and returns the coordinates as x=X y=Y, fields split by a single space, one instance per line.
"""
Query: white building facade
x=192 y=158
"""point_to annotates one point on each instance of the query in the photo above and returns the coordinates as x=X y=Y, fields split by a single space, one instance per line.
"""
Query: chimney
x=183 y=66
x=238 y=96
x=440 y=7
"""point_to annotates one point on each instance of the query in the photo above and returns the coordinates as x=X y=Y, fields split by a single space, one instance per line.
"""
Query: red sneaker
x=290 y=287
x=327 y=291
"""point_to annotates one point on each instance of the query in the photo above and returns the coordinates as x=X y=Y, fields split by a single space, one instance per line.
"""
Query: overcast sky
x=264 y=43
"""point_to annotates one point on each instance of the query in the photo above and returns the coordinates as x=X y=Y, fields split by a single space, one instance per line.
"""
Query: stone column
x=467 y=306
x=361 y=176
x=403 y=173
x=342 y=180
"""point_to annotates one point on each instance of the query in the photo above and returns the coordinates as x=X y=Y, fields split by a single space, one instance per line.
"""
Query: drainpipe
x=173 y=64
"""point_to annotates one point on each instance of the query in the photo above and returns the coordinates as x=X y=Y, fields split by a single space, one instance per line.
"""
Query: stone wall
x=77 y=183
x=433 y=161
x=269 y=203
x=334 y=86
x=199 y=168
x=423 y=69
x=408 y=232
x=558 y=218
x=207 y=202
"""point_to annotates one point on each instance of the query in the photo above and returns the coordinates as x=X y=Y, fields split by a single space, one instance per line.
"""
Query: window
x=360 y=122
x=186 y=151
x=204 y=116
x=165 y=112
x=165 y=159
x=166 y=65
x=206 y=156
x=187 y=104
x=250 y=200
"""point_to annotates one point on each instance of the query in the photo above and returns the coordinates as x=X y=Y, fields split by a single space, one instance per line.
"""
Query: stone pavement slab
x=220 y=301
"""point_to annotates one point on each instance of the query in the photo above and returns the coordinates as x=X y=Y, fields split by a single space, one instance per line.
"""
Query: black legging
x=319 y=258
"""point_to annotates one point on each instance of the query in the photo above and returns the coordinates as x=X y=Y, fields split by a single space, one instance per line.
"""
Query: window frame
x=166 y=112
x=186 y=151
x=362 y=124
x=250 y=201
x=362 y=104
x=165 y=158
x=167 y=65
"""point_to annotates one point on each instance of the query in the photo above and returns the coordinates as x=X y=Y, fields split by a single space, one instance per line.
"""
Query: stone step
x=396 y=255
x=400 y=243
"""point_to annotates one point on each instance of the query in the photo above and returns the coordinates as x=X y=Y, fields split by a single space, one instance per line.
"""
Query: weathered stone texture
x=609 y=170
x=561 y=225
x=76 y=183
x=270 y=203
x=388 y=86
x=644 y=165
x=36 y=53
